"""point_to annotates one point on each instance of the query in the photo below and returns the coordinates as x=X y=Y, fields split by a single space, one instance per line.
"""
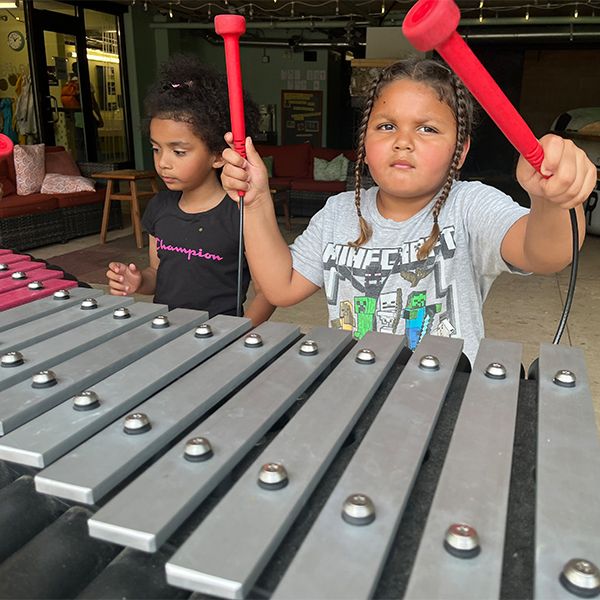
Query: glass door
x=70 y=114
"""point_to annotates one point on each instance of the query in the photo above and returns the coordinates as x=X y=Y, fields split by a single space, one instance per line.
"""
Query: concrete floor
x=521 y=309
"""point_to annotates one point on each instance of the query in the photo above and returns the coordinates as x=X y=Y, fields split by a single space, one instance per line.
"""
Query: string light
x=209 y=11
x=481 y=4
x=527 y=13
x=292 y=11
x=576 y=12
x=382 y=7
x=337 y=7
x=480 y=16
x=146 y=6
x=170 y=10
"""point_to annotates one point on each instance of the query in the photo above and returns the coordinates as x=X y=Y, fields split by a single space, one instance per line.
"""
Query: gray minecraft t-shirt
x=383 y=287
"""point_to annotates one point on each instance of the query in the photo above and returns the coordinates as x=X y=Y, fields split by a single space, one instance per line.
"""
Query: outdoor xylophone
x=154 y=454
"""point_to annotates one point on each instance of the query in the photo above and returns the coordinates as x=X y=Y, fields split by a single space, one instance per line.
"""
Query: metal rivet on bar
x=160 y=322
x=581 y=577
x=309 y=348
x=253 y=340
x=122 y=312
x=365 y=356
x=87 y=400
x=429 y=362
x=4 y=267
x=272 y=476
x=43 y=379
x=35 y=285
x=495 y=371
x=462 y=541
x=19 y=275
x=203 y=331
x=11 y=359
x=565 y=378
x=197 y=449
x=89 y=304
x=136 y=423
x=358 y=509
x=61 y=295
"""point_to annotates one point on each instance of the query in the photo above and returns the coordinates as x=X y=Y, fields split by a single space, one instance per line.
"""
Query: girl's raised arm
x=267 y=252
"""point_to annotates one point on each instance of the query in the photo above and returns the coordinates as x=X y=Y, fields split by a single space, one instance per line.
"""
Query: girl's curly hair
x=189 y=91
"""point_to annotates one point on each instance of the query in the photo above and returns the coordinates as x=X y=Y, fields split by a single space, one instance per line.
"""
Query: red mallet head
x=430 y=23
x=231 y=27
x=6 y=145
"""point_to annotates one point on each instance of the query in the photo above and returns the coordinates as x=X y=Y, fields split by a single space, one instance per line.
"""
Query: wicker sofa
x=40 y=219
x=293 y=169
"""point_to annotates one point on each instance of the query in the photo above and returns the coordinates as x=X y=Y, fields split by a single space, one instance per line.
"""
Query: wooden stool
x=132 y=176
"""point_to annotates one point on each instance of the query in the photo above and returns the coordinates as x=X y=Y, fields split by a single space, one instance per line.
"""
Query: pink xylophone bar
x=24 y=265
x=24 y=294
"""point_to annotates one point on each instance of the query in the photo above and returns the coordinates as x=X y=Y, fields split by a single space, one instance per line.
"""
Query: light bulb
x=481 y=4
x=527 y=14
x=170 y=11
x=481 y=16
x=382 y=7
x=576 y=13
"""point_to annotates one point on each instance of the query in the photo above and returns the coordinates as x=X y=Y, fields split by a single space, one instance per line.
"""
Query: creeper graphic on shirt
x=364 y=309
x=419 y=317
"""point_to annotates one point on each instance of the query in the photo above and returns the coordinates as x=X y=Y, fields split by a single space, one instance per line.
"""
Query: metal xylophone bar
x=411 y=440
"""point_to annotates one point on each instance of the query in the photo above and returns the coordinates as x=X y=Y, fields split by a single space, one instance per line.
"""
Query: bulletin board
x=302 y=117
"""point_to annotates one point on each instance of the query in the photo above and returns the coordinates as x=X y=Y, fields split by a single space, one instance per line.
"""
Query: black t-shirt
x=198 y=254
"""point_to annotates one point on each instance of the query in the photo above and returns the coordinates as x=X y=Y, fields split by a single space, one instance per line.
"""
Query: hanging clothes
x=25 y=108
x=6 y=116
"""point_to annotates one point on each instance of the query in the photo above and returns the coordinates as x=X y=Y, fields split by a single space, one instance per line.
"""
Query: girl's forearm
x=548 y=241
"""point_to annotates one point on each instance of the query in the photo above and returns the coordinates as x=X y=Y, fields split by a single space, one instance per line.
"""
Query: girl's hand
x=570 y=175
x=122 y=279
x=247 y=174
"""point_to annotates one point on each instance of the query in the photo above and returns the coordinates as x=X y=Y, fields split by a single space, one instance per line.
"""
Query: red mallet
x=431 y=25
x=230 y=28
x=6 y=145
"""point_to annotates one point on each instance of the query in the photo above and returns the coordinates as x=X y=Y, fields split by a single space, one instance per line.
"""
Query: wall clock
x=16 y=40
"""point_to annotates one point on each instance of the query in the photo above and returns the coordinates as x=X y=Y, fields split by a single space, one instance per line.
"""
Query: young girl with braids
x=418 y=253
x=193 y=227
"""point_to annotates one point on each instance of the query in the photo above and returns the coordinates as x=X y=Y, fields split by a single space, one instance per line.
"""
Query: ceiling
x=376 y=12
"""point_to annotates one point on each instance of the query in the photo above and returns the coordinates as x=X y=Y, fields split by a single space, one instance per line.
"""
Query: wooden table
x=131 y=176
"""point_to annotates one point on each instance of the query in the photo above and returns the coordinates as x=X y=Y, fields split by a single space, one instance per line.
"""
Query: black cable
x=240 y=311
x=572 y=279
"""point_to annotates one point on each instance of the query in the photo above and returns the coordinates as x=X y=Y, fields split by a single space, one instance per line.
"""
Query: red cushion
x=16 y=206
x=81 y=198
x=310 y=185
x=292 y=160
x=62 y=163
x=8 y=184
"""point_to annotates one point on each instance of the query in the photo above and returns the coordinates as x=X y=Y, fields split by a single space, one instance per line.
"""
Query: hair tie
x=171 y=86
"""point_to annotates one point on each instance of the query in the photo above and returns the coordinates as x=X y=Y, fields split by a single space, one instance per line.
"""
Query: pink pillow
x=61 y=162
x=54 y=183
x=29 y=168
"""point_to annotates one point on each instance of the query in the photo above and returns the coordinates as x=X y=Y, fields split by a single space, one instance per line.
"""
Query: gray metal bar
x=44 y=439
x=474 y=484
x=232 y=430
x=95 y=467
x=250 y=521
x=44 y=306
x=51 y=325
x=568 y=471
x=343 y=560
x=22 y=402
x=70 y=343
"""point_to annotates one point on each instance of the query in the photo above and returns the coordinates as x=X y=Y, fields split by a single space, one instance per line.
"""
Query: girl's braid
x=461 y=136
x=365 y=228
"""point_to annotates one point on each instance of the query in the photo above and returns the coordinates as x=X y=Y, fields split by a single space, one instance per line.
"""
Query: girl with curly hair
x=192 y=226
